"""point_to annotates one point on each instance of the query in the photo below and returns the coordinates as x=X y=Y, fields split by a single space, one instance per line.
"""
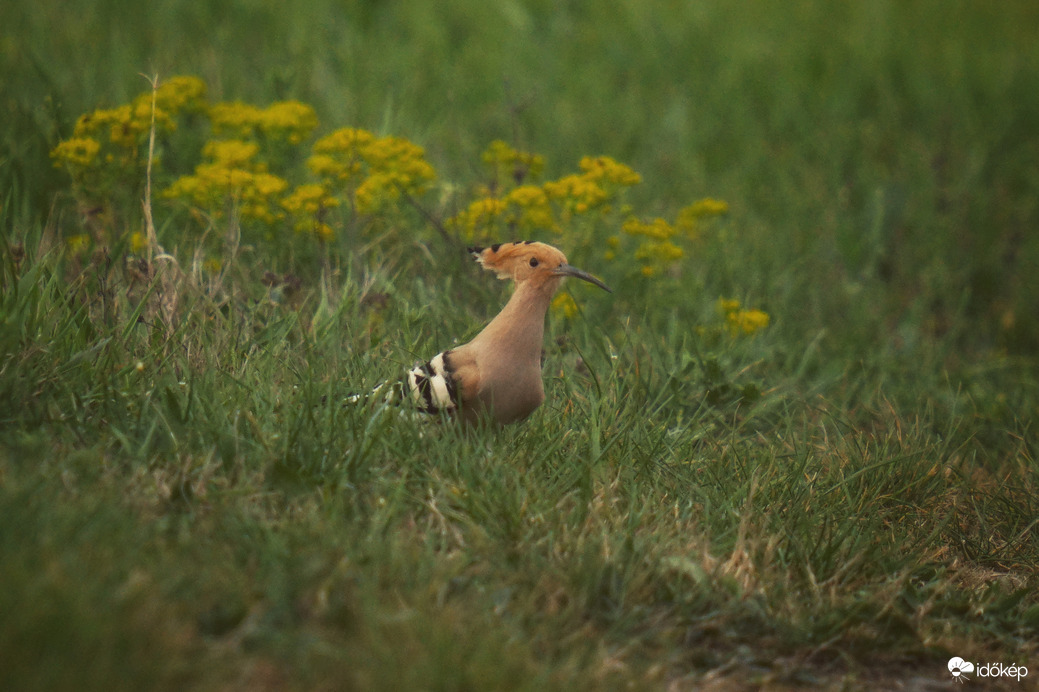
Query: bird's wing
x=433 y=386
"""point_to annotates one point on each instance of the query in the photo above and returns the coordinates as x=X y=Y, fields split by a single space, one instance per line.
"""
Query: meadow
x=794 y=449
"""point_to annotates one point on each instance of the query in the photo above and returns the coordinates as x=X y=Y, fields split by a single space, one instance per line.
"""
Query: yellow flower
x=477 y=220
x=662 y=252
x=728 y=305
x=116 y=123
x=511 y=164
x=78 y=243
x=747 y=321
x=657 y=252
x=399 y=160
x=112 y=138
x=376 y=190
x=529 y=208
x=326 y=166
x=741 y=321
x=706 y=207
x=181 y=93
x=498 y=151
x=234 y=118
x=688 y=220
x=138 y=242
x=577 y=193
x=606 y=169
x=528 y=196
x=487 y=208
x=141 y=115
x=214 y=187
x=126 y=125
x=268 y=185
x=78 y=152
x=564 y=306
x=347 y=140
x=338 y=157
x=231 y=153
x=375 y=170
x=309 y=200
x=657 y=229
x=289 y=120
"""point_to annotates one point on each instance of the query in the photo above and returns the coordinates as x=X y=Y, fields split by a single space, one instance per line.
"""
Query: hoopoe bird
x=496 y=375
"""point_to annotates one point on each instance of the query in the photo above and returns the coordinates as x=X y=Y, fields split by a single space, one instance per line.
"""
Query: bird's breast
x=513 y=394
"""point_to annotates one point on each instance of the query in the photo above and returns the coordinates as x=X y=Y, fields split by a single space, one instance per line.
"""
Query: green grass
x=845 y=500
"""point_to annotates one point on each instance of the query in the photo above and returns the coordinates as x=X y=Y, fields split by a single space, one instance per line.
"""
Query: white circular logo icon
x=958 y=667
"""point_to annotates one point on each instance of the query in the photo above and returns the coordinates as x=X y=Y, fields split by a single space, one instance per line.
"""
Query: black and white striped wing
x=429 y=387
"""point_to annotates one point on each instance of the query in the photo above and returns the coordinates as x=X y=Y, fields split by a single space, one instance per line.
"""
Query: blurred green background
x=887 y=146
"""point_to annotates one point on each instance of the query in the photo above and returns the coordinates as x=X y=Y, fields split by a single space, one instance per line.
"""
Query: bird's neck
x=520 y=326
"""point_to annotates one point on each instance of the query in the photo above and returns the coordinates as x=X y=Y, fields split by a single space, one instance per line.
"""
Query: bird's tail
x=428 y=388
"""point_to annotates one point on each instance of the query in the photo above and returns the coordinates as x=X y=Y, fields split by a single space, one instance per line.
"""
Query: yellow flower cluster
x=182 y=94
x=658 y=250
x=740 y=321
x=530 y=207
x=123 y=125
x=373 y=171
x=513 y=206
x=338 y=156
x=482 y=214
x=689 y=219
x=111 y=138
x=231 y=153
x=600 y=180
x=577 y=194
x=608 y=173
x=508 y=164
x=246 y=167
x=231 y=180
x=77 y=154
x=309 y=205
x=564 y=306
x=289 y=121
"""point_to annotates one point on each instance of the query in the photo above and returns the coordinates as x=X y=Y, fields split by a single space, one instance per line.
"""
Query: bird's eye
x=533 y=261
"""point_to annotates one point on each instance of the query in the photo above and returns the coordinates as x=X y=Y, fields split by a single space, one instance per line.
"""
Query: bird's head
x=527 y=260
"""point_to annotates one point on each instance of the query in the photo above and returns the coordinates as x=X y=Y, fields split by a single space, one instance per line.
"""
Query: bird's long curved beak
x=568 y=270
